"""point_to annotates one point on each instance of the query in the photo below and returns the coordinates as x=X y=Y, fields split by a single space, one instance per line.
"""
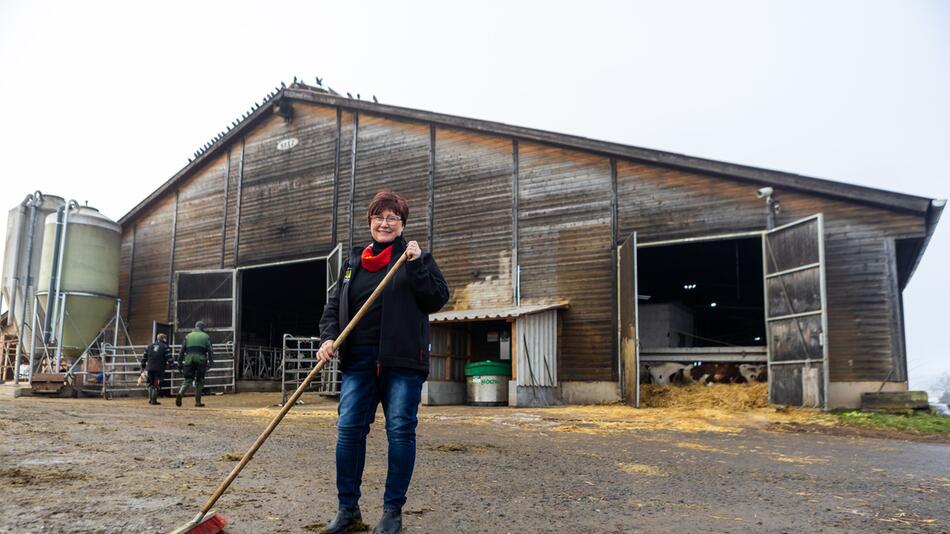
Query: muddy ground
x=89 y=465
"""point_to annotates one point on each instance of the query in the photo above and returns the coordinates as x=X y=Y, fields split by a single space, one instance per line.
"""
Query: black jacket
x=415 y=291
x=157 y=357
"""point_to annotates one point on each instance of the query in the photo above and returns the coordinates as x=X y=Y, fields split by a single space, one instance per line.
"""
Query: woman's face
x=385 y=227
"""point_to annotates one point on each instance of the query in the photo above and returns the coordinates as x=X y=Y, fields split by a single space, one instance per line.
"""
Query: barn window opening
x=278 y=300
x=702 y=302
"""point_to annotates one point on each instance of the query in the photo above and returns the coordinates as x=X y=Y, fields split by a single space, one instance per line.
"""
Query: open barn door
x=334 y=264
x=205 y=296
x=796 y=313
x=628 y=344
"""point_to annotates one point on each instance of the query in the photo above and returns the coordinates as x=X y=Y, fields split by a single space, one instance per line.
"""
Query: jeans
x=362 y=389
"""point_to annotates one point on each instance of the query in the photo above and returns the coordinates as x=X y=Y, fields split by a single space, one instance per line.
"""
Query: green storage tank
x=89 y=276
x=487 y=383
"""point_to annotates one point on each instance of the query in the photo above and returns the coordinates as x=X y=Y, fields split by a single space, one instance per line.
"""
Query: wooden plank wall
x=564 y=248
x=564 y=220
x=865 y=338
x=347 y=126
x=200 y=207
x=125 y=269
x=234 y=188
x=392 y=155
x=662 y=204
x=287 y=194
x=472 y=232
x=149 y=295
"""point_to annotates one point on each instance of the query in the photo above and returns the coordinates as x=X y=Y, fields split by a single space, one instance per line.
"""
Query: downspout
x=50 y=292
x=61 y=302
x=56 y=270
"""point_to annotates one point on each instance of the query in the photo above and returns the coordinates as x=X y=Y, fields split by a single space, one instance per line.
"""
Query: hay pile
x=724 y=396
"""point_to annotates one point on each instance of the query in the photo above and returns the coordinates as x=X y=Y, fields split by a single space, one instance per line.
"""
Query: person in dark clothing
x=156 y=359
x=194 y=359
x=385 y=359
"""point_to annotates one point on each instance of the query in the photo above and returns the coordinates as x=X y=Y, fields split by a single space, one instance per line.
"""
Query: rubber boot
x=198 y=403
x=153 y=395
x=178 y=397
x=345 y=521
x=390 y=523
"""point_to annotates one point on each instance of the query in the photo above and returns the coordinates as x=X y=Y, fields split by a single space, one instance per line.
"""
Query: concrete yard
x=90 y=465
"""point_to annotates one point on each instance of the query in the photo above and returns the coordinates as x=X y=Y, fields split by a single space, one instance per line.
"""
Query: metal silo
x=78 y=284
x=21 y=262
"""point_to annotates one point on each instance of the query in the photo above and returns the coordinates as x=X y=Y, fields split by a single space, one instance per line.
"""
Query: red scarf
x=374 y=263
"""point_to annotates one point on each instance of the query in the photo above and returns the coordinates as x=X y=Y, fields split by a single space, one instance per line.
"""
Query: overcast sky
x=105 y=101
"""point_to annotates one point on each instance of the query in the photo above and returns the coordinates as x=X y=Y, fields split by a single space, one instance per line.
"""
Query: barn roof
x=926 y=207
x=485 y=314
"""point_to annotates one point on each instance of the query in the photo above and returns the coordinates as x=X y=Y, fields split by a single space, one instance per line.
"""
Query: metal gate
x=628 y=344
x=300 y=357
x=207 y=296
x=796 y=313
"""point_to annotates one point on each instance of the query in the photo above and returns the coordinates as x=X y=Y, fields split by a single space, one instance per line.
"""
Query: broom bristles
x=211 y=524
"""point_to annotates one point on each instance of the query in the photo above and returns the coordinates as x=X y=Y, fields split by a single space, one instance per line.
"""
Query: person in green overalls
x=196 y=357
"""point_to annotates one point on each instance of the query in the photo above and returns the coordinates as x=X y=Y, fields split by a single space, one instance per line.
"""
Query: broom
x=208 y=522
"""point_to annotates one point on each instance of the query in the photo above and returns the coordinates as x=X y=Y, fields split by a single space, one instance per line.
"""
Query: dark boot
x=390 y=523
x=178 y=399
x=346 y=520
x=198 y=403
x=153 y=395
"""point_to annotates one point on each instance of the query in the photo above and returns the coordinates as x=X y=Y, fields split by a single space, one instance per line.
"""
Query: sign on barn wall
x=287 y=144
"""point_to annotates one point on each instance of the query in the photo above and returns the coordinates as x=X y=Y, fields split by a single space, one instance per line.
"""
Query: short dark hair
x=388 y=200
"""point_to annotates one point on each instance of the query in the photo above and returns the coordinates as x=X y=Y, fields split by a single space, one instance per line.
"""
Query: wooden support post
x=356 y=130
x=171 y=259
x=237 y=216
x=224 y=217
x=336 y=177
x=431 y=206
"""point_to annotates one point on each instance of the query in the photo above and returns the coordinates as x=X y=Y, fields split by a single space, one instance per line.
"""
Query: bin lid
x=488 y=368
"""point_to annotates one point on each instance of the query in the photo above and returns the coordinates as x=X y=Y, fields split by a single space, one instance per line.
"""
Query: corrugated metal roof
x=484 y=314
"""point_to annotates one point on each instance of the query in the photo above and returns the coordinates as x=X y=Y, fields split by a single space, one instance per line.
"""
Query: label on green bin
x=483 y=380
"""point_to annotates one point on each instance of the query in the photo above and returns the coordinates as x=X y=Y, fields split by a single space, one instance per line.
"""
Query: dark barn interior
x=282 y=299
x=715 y=285
x=487 y=338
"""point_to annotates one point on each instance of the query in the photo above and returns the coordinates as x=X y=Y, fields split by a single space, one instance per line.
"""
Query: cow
x=717 y=373
x=669 y=373
x=754 y=372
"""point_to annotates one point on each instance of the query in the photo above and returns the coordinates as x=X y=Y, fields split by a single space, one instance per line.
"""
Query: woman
x=385 y=358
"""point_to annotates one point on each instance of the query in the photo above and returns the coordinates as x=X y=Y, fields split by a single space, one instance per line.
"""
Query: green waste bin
x=487 y=383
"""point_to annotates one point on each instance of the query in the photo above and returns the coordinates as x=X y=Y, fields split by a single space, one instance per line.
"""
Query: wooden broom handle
x=303 y=386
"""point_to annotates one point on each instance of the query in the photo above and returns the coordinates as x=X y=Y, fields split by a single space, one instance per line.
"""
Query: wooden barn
x=574 y=258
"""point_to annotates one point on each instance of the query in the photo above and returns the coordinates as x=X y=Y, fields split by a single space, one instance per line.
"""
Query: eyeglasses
x=389 y=219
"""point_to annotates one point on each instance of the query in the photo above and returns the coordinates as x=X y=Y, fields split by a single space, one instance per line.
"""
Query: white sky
x=105 y=101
